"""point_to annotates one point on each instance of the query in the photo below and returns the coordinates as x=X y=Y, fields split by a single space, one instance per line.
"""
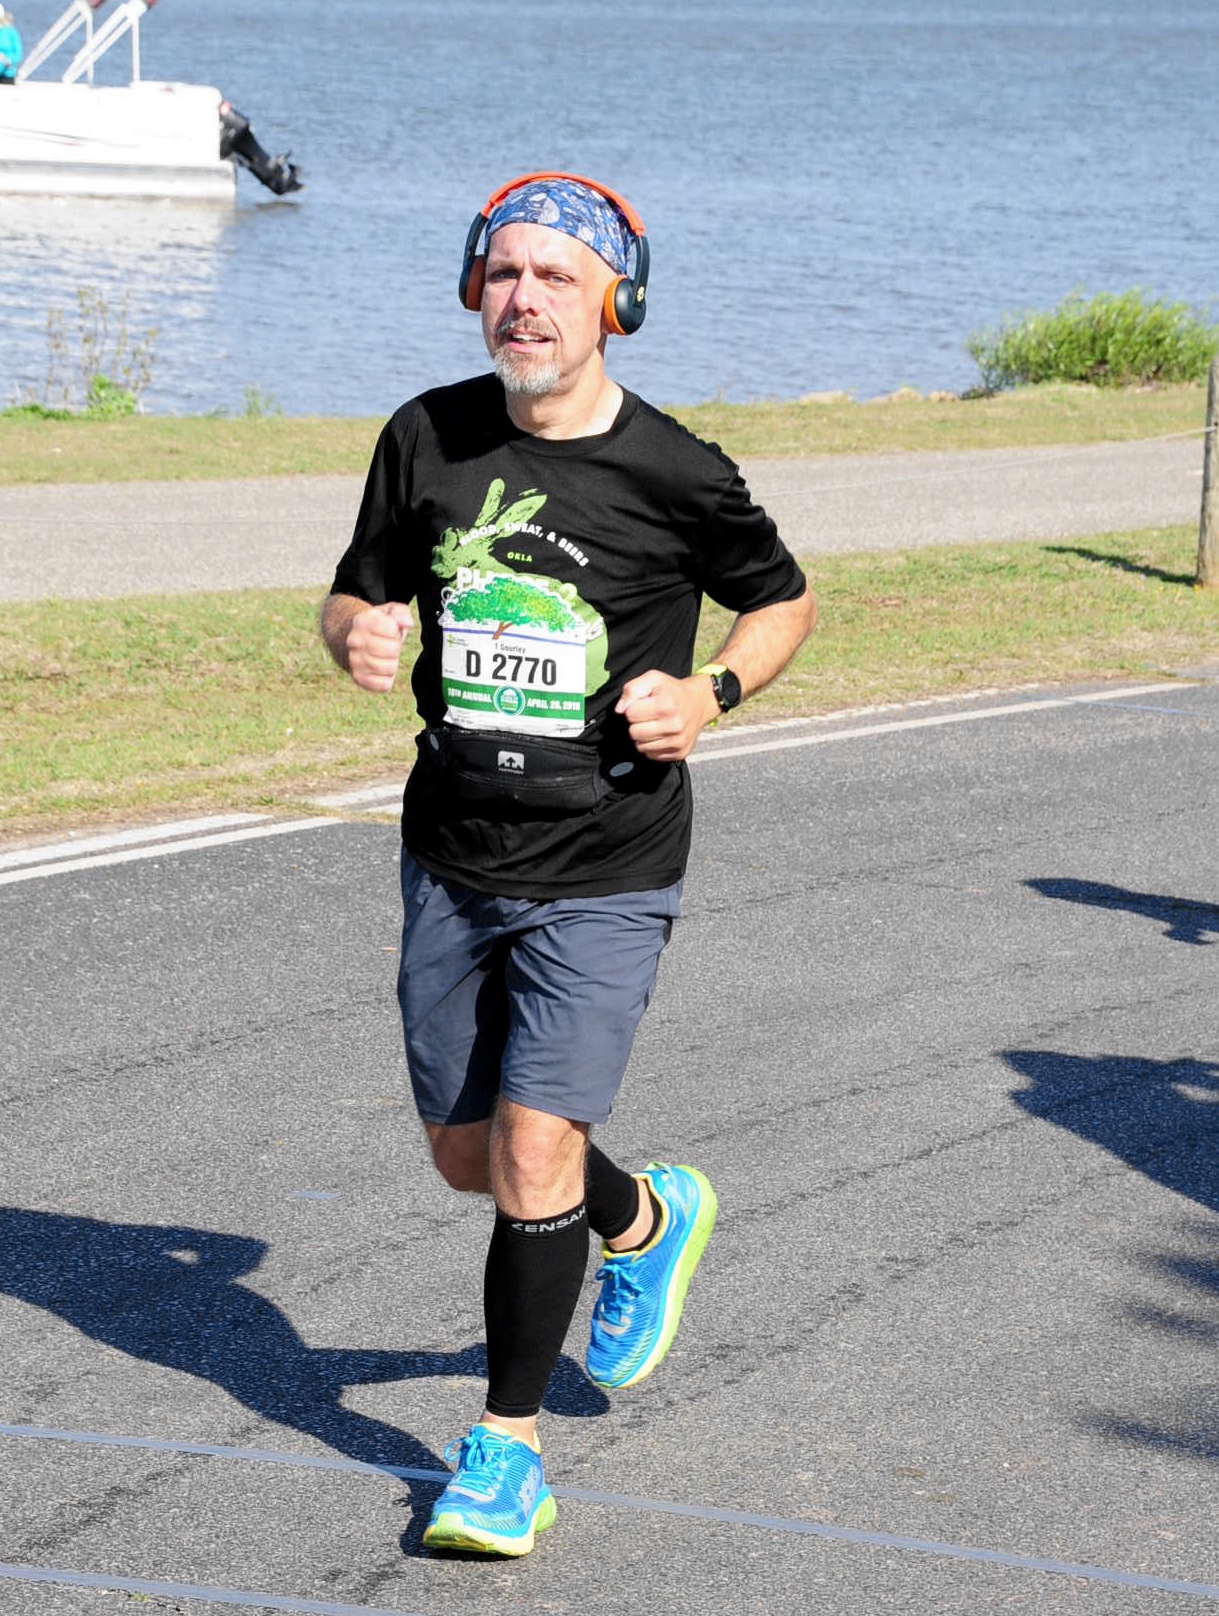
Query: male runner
x=557 y=535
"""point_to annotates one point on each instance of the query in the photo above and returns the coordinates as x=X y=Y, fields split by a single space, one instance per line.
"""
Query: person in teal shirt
x=10 y=48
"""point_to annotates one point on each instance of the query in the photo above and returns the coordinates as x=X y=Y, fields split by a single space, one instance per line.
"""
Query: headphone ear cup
x=609 y=308
x=622 y=311
x=472 y=282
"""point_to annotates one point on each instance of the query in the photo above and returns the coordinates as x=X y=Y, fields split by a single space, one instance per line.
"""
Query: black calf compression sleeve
x=530 y=1289
x=612 y=1196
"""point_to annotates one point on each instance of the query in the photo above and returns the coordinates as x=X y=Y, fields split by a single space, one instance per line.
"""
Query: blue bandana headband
x=575 y=209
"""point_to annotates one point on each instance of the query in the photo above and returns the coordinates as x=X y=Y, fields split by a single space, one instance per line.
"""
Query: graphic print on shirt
x=519 y=650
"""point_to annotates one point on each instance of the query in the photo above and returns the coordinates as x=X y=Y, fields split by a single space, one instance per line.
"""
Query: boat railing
x=78 y=15
x=121 y=22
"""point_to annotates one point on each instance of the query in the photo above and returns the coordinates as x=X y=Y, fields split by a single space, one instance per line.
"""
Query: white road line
x=163 y=850
x=933 y=721
x=189 y=835
x=126 y=838
x=369 y=796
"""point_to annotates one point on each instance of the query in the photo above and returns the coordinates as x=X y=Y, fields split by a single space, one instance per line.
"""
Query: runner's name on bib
x=528 y=681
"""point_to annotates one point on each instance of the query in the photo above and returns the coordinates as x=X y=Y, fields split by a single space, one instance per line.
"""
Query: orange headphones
x=625 y=297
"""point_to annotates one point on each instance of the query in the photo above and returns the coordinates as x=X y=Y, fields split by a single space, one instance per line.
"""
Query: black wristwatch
x=725 y=684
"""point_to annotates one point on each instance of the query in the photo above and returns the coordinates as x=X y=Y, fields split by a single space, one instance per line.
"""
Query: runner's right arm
x=366 y=640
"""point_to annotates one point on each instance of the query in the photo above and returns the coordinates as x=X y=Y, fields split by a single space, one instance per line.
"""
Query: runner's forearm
x=337 y=614
x=762 y=643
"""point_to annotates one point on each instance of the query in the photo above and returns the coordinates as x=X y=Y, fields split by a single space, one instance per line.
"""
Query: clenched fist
x=374 y=644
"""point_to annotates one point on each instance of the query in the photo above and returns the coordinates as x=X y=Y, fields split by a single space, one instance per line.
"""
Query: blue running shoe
x=642 y=1292
x=496 y=1501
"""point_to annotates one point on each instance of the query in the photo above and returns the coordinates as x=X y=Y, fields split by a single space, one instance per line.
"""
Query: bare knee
x=536 y=1161
x=460 y=1155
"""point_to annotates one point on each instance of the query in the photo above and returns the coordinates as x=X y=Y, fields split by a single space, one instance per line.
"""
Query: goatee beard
x=527 y=378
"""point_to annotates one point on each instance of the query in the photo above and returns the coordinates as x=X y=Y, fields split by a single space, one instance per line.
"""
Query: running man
x=556 y=535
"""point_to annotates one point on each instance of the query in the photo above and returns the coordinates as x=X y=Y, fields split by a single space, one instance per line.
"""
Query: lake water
x=836 y=195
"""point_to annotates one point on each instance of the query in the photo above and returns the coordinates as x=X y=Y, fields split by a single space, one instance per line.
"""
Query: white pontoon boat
x=71 y=137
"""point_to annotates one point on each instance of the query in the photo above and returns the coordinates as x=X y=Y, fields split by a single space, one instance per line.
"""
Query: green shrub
x=106 y=400
x=1111 y=340
x=35 y=412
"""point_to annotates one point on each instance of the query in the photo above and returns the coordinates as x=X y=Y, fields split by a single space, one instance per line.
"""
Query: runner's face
x=541 y=308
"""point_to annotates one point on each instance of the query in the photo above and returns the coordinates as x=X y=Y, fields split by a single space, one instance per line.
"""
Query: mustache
x=524 y=328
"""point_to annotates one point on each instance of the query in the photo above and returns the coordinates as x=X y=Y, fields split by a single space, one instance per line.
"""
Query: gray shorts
x=535 y=1000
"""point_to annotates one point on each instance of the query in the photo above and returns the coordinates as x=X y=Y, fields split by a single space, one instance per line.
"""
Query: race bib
x=514 y=656
x=513 y=681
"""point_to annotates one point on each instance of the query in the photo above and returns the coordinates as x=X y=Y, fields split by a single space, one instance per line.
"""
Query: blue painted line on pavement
x=214 y=1450
x=189 y=1590
x=889 y=1540
x=652 y=1506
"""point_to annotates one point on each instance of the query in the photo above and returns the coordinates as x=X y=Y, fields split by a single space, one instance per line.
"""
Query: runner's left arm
x=666 y=715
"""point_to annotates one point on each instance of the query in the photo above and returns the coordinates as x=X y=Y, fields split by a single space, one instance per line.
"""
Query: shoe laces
x=481 y=1458
x=620 y=1291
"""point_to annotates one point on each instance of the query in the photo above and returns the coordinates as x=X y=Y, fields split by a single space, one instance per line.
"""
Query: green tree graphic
x=511 y=602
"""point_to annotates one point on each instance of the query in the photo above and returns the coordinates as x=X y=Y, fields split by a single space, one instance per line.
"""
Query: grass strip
x=168 y=448
x=164 y=704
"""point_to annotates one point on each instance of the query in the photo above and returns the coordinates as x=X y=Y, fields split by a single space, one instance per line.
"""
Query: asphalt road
x=940 y=1024
x=125 y=538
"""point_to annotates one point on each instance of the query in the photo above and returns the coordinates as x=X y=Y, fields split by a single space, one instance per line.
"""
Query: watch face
x=727 y=690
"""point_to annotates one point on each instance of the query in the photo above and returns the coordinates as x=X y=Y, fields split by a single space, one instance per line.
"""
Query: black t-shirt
x=546 y=573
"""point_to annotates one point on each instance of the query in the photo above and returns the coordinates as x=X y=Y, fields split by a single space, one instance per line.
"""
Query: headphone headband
x=625 y=298
x=620 y=202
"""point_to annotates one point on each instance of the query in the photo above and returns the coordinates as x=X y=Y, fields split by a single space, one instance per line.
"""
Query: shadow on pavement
x=1192 y=1425
x=1162 y=1119
x=172 y=1296
x=1185 y=920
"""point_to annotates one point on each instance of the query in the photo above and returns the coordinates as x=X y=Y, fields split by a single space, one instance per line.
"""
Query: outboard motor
x=237 y=141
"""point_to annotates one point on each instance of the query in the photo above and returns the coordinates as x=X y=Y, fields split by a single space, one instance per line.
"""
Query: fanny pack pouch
x=501 y=768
